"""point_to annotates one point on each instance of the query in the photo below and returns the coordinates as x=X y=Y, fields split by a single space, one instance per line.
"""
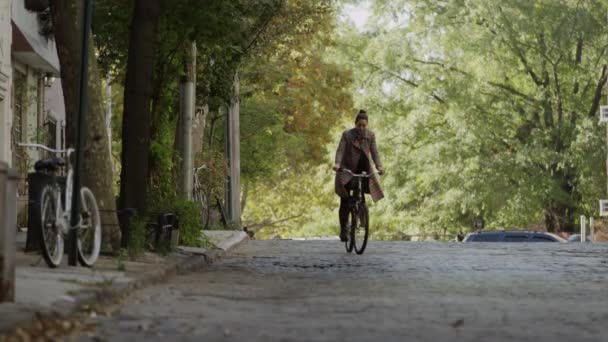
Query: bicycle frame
x=359 y=178
x=62 y=215
x=197 y=184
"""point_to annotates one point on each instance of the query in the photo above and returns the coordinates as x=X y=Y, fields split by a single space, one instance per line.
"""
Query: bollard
x=592 y=229
x=583 y=228
x=8 y=230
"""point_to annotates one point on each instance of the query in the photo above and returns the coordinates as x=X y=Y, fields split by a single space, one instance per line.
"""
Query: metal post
x=592 y=228
x=228 y=156
x=8 y=220
x=235 y=152
x=187 y=107
x=185 y=140
x=583 y=228
x=80 y=134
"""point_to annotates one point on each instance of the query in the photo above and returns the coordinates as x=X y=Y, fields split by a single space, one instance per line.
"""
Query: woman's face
x=361 y=125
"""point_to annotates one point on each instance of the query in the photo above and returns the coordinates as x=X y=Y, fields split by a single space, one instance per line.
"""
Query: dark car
x=512 y=236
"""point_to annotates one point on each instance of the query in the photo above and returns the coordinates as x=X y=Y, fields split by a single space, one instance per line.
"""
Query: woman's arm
x=375 y=154
x=340 y=152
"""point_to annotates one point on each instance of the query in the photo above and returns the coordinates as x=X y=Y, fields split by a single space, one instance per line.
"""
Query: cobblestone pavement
x=396 y=291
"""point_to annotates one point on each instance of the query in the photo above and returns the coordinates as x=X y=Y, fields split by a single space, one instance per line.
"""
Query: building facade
x=31 y=100
x=5 y=79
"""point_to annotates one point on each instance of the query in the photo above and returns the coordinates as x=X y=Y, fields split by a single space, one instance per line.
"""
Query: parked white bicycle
x=55 y=214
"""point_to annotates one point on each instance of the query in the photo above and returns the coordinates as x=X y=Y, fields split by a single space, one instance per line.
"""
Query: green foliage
x=138 y=240
x=190 y=229
x=120 y=259
x=480 y=110
x=489 y=110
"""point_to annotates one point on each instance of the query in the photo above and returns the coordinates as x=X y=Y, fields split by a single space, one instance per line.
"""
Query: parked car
x=577 y=238
x=512 y=236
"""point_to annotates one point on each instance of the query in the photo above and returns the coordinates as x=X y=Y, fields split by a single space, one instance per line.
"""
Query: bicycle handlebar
x=197 y=169
x=46 y=148
x=362 y=175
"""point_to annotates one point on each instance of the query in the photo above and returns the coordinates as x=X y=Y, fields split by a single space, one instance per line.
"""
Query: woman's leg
x=343 y=212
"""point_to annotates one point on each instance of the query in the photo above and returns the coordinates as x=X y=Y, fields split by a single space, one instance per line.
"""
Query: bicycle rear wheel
x=51 y=242
x=361 y=229
x=89 y=231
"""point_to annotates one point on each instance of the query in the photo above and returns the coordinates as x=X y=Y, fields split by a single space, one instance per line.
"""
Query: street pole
x=235 y=152
x=187 y=106
x=8 y=228
x=80 y=134
x=583 y=228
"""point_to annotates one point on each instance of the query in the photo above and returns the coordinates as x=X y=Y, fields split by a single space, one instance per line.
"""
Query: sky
x=358 y=14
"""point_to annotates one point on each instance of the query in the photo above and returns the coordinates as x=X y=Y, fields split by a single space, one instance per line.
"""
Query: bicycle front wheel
x=350 y=238
x=361 y=229
x=89 y=231
x=51 y=242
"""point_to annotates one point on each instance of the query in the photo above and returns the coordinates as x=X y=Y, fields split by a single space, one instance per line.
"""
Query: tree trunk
x=198 y=130
x=137 y=102
x=97 y=168
x=560 y=218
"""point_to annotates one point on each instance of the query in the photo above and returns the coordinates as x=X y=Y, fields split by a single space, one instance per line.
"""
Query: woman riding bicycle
x=357 y=152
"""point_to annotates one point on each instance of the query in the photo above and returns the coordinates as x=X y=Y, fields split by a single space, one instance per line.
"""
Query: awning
x=35 y=52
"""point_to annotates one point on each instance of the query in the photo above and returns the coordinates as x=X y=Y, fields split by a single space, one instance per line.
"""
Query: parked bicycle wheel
x=89 y=232
x=205 y=208
x=51 y=242
x=361 y=229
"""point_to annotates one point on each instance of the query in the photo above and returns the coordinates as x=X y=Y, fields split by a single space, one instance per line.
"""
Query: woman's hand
x=381 y=171
x=336 y=168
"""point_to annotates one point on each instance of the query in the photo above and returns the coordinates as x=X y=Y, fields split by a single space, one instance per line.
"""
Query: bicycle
x=357 y=226
x=55 y=212
x=201 y=197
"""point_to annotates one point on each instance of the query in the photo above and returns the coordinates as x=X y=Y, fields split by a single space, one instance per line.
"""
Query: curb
x=87 y=299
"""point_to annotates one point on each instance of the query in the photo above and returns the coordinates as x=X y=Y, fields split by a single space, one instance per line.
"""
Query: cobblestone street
x=396 y=291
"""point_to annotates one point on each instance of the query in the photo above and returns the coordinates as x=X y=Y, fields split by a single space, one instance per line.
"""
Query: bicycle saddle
x=49 y=165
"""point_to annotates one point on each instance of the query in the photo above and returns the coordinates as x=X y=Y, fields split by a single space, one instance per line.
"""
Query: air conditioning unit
x=603 y=207
x=604 y=114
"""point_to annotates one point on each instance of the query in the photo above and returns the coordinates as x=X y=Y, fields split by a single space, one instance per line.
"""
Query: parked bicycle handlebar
x=197 y=169
x=46 y=148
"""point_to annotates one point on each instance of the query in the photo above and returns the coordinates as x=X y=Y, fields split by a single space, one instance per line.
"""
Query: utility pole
x=233 y=154
x=187 y=107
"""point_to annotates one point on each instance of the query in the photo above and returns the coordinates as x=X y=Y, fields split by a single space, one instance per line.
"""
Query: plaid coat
x=350 y=149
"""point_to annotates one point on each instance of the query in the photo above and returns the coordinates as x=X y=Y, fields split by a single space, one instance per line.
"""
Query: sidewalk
x=42 y=292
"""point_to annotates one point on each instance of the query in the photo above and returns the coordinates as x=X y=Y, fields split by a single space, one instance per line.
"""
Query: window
x=516 y=238
x=486 y=238
x=51 y=125
x=540 y=238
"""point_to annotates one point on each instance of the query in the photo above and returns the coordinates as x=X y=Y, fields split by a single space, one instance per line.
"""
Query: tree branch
x=598 y=91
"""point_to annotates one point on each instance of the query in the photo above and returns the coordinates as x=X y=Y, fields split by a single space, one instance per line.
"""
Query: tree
x=492 y=108
x=137 y=104
x=67 y=28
